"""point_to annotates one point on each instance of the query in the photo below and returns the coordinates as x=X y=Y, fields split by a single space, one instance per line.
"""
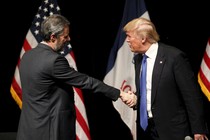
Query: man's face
x=134 y=41
x=62 y=39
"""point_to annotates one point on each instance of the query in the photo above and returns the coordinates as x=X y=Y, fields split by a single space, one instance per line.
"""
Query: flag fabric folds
x=33 y=37
x=120 y=68
x=204 y=72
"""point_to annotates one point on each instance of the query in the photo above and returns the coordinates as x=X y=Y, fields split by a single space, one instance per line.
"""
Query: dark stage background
x=93 y=29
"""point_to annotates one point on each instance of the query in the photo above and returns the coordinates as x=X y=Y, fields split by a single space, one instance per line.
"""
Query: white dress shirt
x=151 y=53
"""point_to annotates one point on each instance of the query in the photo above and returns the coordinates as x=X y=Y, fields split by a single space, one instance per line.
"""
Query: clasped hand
x=128 y=98
x=200 y=137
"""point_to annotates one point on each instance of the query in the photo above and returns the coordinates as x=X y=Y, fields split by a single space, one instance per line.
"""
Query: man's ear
x=143 y=39
x=52 y=37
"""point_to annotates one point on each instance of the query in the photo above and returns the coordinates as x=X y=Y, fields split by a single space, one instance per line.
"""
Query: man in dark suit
x=48 y=111
x=174 y=104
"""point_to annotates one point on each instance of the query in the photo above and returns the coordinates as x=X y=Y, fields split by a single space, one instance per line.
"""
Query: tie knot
x=144 y=57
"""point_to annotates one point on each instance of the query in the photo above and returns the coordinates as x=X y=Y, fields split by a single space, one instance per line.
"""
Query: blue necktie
x=143 y=95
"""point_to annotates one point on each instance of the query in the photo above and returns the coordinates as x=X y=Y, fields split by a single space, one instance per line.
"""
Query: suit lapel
x=137 y=62
x=157 y=71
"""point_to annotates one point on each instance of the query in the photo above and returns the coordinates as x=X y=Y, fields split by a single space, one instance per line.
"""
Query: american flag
x=204 y=72
x=33 y=37
x=120 y=69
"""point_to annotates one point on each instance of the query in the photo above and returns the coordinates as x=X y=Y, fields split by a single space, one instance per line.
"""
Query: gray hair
x=53 y=25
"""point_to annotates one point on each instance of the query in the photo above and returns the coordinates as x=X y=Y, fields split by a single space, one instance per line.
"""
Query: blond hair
x=143 y=27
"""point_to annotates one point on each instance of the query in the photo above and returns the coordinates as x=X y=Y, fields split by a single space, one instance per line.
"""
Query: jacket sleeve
x=67 y=75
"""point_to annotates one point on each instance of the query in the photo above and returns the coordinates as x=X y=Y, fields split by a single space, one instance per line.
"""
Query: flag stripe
x=16 y=87
x=205 y=81
x=206 y=57
x=82 y=123
x=205 y=69
x=26 y=46
x=79 y=92
x=81 y=135
x=81 y=113
x=203 y=86
x=204 y=72
x=31 y=39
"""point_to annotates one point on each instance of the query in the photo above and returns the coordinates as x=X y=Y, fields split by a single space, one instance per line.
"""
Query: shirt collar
x=152 y=51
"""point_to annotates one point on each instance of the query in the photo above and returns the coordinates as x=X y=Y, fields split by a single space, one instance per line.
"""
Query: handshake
x=129 y=98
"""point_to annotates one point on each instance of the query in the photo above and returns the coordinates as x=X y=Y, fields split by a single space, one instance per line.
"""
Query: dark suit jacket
x=176 y=100
x=48 y=111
